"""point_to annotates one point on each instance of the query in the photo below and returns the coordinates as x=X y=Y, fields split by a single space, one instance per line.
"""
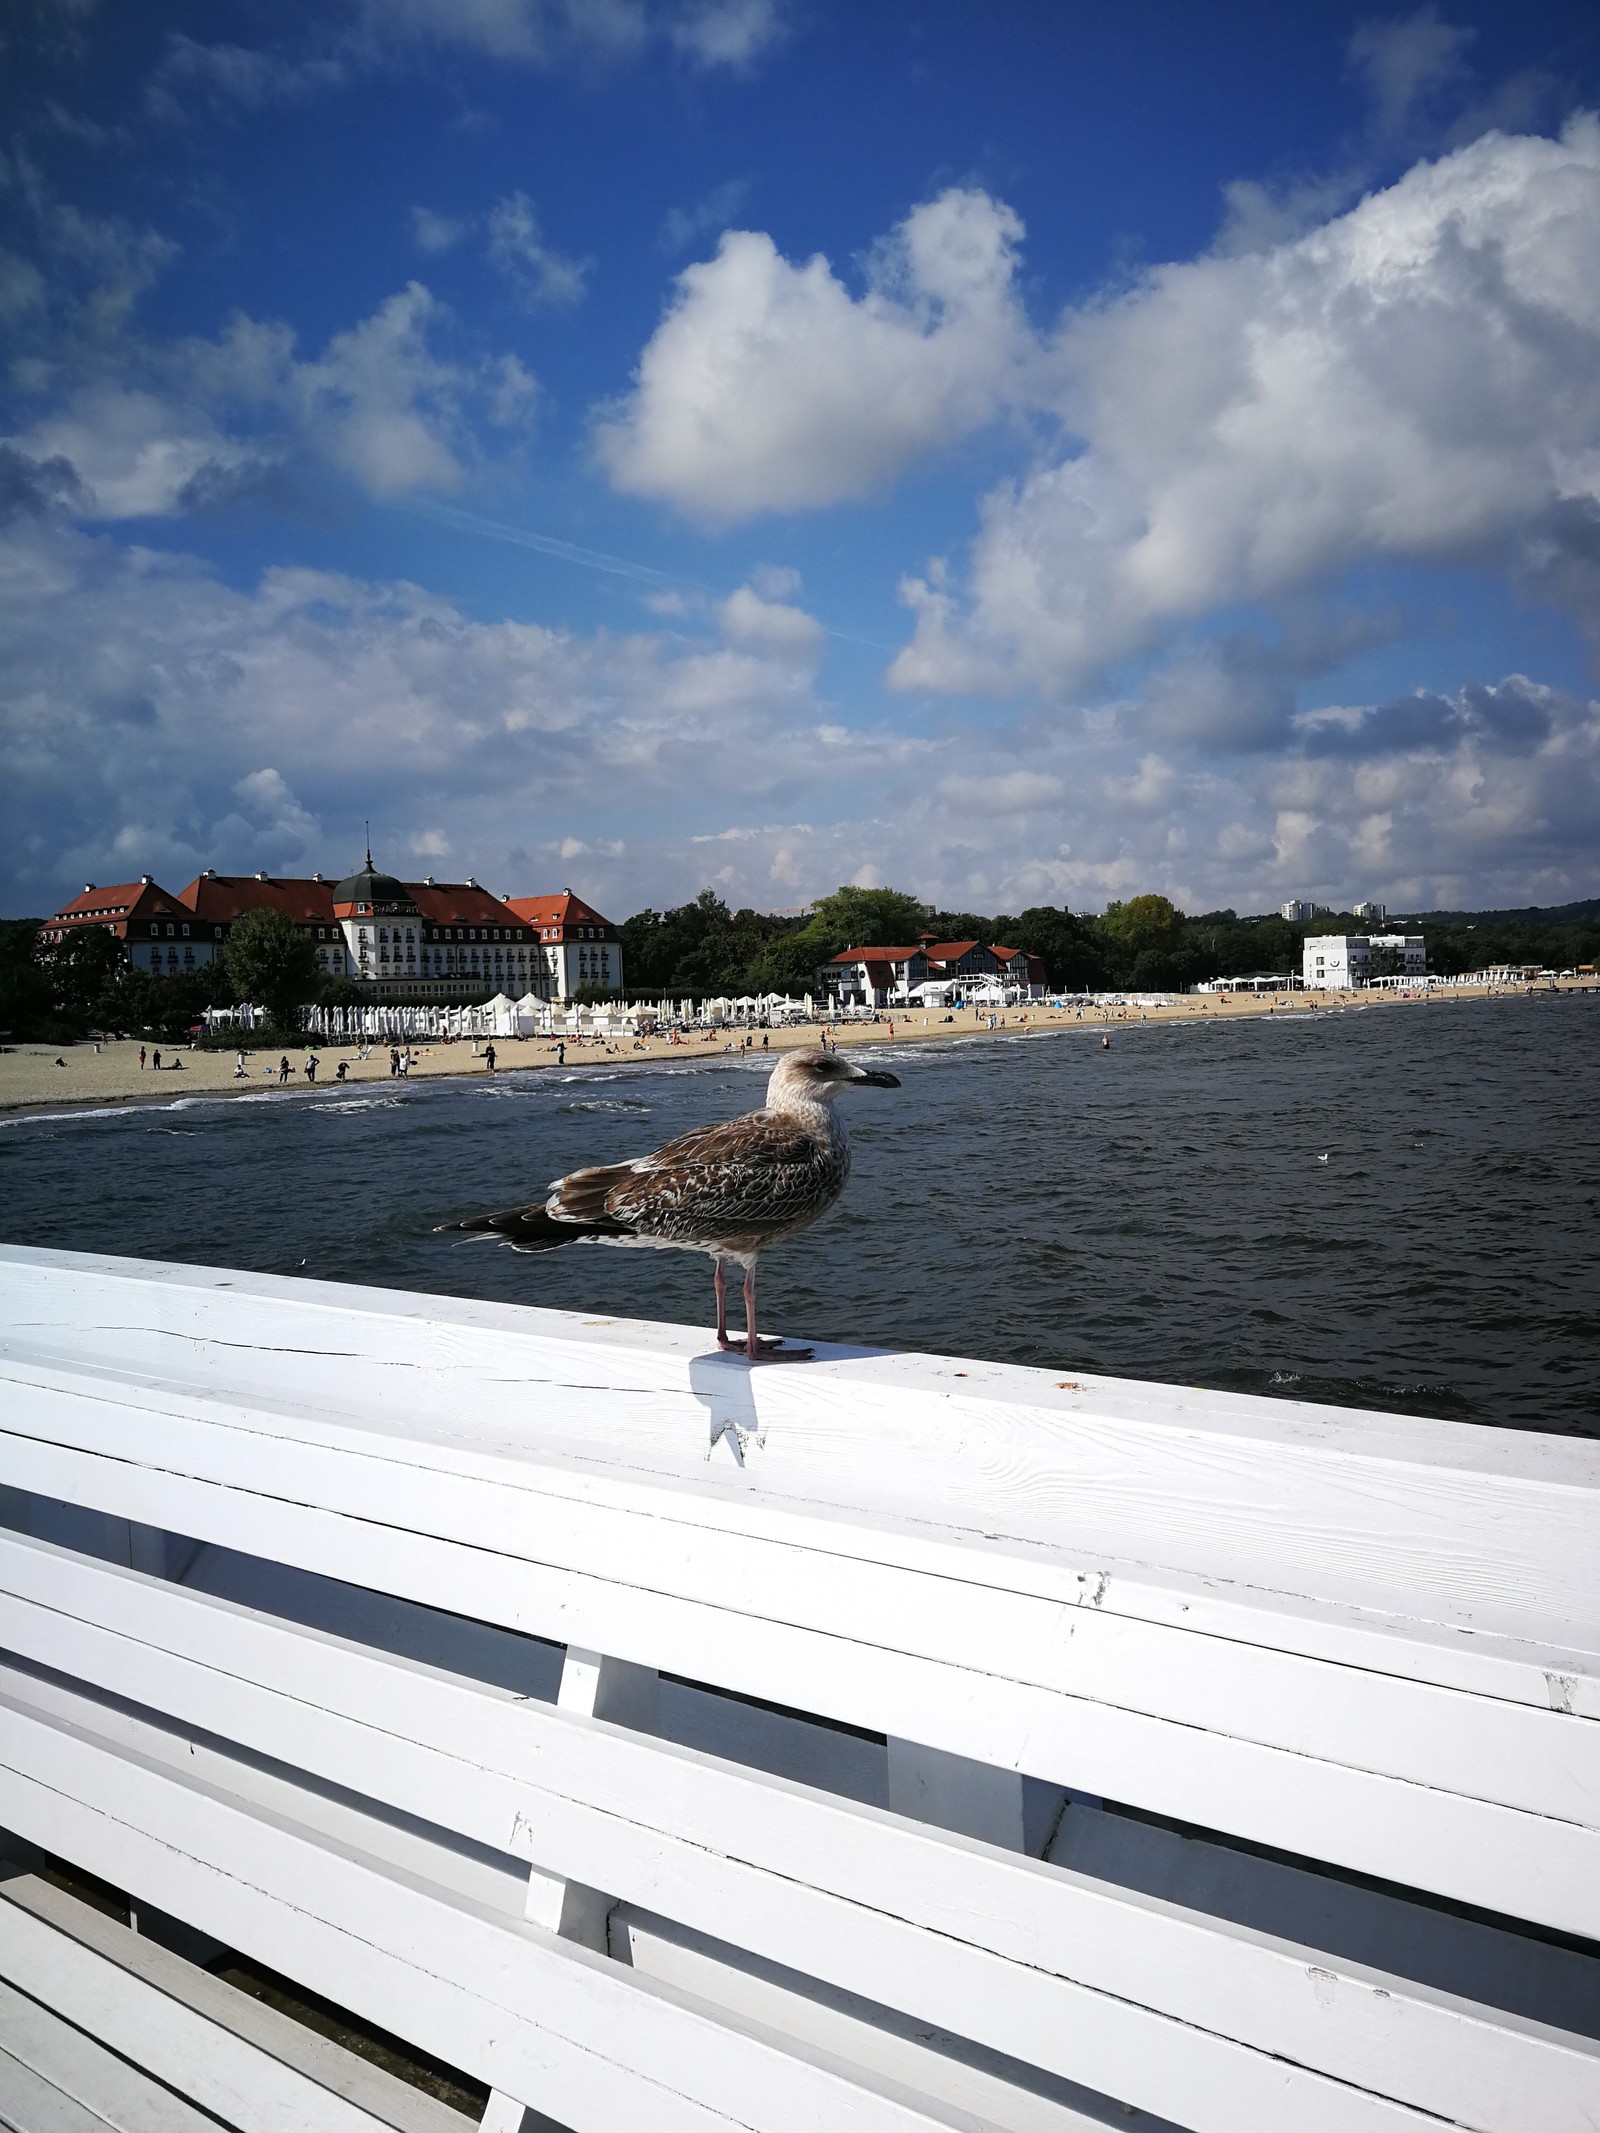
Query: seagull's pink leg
x=774 y=1351
x=722 y=1306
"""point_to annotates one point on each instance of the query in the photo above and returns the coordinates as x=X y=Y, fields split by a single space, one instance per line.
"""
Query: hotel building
x=1339 y=962
x=419 y=940
x=879 y=977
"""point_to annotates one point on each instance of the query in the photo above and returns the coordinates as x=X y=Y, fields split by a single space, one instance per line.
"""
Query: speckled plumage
x=729 y=1190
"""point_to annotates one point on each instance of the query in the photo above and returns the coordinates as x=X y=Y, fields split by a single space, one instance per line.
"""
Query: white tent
x=499 y=1016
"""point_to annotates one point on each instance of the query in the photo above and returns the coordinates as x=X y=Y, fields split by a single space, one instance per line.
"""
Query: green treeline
x=1146 y=944
x=702 y=949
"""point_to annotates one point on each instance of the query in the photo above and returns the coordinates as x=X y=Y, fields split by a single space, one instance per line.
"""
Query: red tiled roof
x=113 y=905
x=462 y=903
x=560 y=912
x=219 y=899
x=872 y=955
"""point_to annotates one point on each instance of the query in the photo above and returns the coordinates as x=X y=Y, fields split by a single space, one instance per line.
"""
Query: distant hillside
x=1586 y=913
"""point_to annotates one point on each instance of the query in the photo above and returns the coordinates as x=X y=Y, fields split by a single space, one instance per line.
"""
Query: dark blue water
x=1158 y=1210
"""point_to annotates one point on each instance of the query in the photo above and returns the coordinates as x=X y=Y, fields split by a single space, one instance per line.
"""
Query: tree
x=1072 y=957
x=866 y=918
x=272 y=965
x=27 y=1005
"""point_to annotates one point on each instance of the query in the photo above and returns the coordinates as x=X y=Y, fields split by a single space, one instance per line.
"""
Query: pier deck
x=893 y=1742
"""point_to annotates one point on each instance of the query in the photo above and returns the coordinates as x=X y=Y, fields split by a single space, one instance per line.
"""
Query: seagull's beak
x=877 y=1077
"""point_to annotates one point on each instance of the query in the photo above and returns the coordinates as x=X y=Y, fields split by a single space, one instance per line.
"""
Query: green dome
x=378 y=892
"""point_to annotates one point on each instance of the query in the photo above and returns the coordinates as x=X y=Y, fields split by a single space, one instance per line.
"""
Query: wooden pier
x=661 y=1746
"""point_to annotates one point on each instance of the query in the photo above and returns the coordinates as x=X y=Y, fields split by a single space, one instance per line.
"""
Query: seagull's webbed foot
x=765 y=1347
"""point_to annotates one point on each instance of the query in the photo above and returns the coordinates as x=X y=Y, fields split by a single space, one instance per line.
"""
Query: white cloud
x=380 y=404
x=728 y=33
x=1407 y=60
x=530 y=30
x=434 y=233
x=191 y=72
x=536 y=271
x=770 y=625
x=769 y=387
x=714 y=210
x=1414 y=380
x=1013 y=792
x=152 y=717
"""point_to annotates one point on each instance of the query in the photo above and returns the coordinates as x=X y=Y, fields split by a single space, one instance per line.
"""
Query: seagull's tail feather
x=574 y=1208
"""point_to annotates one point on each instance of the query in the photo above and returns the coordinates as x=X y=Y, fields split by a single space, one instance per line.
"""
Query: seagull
x=728 y=1190
x=1322 y=1158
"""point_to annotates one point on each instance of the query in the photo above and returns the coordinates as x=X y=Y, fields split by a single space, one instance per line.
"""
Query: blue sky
x=1020 y=454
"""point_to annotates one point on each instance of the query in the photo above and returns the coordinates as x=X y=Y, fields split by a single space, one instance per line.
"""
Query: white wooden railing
x=891 y=1743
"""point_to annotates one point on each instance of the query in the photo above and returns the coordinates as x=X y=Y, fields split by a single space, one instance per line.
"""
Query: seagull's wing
x=747 y=1178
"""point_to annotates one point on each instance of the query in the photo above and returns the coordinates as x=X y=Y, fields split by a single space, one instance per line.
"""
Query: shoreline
x=32 y=1084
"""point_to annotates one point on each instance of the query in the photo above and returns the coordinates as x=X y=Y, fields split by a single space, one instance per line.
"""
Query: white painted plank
x=117 y=2094
x=1004 y=2096
x=30 y=2104
x=888 y=1905
x=1387 y=1501
x=531 y=2015
x=1515 y=1754
x=1530 y=1865
x=1363 y=1630
x=239 y=2058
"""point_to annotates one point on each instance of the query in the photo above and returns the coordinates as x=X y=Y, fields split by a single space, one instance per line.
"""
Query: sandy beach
x=46 y=1077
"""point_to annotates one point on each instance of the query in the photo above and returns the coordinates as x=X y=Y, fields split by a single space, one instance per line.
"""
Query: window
x=186 y=933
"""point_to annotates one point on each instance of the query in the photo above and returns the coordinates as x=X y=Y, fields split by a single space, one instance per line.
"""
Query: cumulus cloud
x=210 y=418
x=773 y=626
x=1415 y=380
x=770 y=387
x=153 y=717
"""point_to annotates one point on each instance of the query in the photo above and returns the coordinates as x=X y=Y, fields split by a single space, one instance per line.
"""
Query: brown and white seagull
x=727 y=1190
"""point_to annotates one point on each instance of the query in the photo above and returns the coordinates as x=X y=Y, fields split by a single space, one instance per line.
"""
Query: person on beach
x=488 y=1057
x=394 y=1063
x=341 y=1070
x=238 y=1066
x=283 y=1069
x=155 y=1062
x=561 y=1051
x=141 y=1059
x=311 y=1067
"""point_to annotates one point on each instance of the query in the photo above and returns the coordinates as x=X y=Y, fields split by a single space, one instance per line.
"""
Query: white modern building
x=1371 y=914
x=1296 y=912
x=1339 y=962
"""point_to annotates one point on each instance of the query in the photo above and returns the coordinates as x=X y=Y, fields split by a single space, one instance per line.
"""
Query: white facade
x=1297 y=913
x=1372 y=914
x=1336 y=960
x=1339 y=961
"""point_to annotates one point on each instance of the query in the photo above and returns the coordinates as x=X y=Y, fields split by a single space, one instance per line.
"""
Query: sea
x=1386 y=1207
